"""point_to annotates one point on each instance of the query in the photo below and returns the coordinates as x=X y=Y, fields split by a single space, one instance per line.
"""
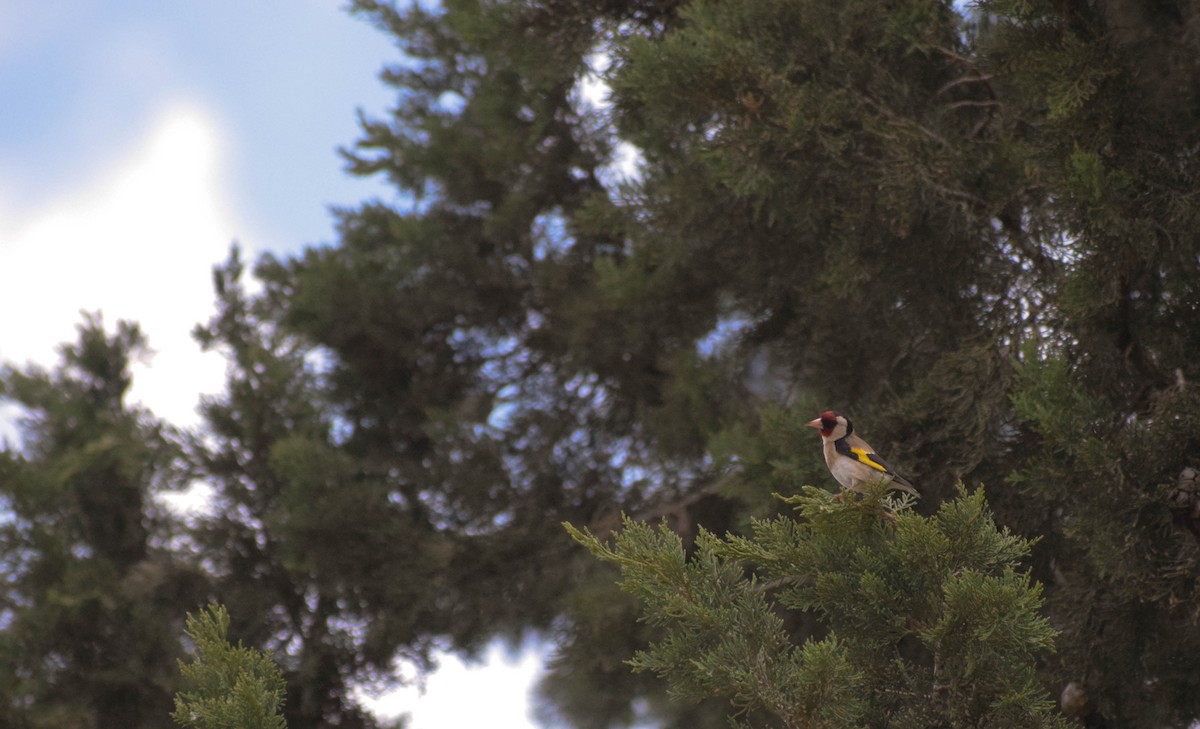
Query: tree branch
x=981 y=78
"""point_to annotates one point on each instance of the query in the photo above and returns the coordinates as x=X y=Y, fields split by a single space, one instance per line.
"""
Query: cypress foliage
x=226 y=686
x=923 y=621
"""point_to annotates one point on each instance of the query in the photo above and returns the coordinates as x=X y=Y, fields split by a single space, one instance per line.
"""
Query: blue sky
x=138 y=140
x=83 y=81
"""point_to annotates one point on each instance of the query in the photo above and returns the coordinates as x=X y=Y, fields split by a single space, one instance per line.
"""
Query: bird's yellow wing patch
x=867 y=458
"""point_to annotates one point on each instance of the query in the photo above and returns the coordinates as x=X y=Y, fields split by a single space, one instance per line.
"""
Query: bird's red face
x=826 y=423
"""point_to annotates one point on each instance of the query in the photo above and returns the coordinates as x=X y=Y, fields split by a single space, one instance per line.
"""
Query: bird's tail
x=900 y=483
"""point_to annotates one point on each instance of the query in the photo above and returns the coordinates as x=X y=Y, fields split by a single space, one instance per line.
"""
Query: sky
x=138 y=141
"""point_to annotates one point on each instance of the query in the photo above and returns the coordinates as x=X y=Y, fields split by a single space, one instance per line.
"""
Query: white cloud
x=494 y=693
x=594 y=94
x=136 y=242
x=593 y=89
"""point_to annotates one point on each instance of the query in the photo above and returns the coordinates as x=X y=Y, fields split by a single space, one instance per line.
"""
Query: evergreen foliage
x=296 y=540
x=915 y=213
x=974 y=231
x=87 y=635
x=924 y=621
x=226 y=686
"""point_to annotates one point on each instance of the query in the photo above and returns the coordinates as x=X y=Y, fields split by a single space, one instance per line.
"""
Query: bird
x=851 y=460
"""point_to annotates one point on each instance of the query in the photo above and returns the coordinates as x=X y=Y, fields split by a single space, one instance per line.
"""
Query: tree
x=295 y=538
x=226 y=686
x=88 y=633
x=975 y=232
x=926 y=621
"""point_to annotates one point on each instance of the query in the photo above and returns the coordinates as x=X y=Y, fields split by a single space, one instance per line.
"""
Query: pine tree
x=973 y=231
x=922 y=621
x=295 y=538
x=88 y=626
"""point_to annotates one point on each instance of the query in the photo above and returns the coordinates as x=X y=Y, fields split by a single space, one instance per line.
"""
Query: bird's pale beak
x=816 y=424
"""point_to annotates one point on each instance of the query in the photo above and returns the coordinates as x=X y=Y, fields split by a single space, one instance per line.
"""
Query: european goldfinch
x=850 y=459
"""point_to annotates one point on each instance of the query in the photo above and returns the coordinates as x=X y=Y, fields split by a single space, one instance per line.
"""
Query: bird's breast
x=848 y=472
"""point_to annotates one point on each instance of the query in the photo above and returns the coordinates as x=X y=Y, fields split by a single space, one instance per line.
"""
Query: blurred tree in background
x=90 y=613
x=975 y=230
